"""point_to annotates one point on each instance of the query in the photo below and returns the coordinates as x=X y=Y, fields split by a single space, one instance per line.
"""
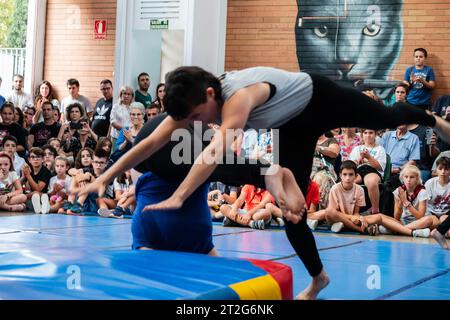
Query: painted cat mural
x=356 y=42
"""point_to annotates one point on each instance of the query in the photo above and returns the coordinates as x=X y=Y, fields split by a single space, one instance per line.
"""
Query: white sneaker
x=422 y=233
x=280 y=222
x=105 y=213
x=45 y=208
x=383 y=230
x=337 y=227
x=312 y=224
x=36 y=201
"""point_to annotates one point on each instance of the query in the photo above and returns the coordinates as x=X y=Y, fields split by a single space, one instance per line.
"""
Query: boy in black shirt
x=38 y=178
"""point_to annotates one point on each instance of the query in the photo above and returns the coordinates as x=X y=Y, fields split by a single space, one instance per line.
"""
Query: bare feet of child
x=317 y=284
x=280 y=182
x=440 y=238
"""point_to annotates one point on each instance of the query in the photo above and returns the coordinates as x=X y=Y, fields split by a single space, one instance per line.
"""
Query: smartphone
x=75 y=125
x=429 y=135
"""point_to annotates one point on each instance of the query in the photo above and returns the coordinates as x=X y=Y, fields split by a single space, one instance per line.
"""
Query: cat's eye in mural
x=372 y=30
x=321 y=32
x=352 y=41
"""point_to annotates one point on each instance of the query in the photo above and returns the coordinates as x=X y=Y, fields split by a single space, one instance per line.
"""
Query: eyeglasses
x=102 y=163
x=136 y=114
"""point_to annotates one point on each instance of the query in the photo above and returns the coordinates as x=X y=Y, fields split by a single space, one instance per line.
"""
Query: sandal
x=372 y=230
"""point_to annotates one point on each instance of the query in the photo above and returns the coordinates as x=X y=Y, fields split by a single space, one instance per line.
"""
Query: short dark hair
x=47 y=103
x=443 y=161
x=142 y=74
x=186 y=88
x=9 y=138
x=100 y=153
x=72 y=82
x=51 y=148
x=422 y=50
x=403 y=85
x=349 y=165
x=37 y=151
x=106 y=81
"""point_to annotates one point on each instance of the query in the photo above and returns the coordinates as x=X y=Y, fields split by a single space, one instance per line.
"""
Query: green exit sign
x=159 y=24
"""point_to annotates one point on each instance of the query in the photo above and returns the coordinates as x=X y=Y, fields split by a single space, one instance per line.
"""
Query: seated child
x=345 y=200
x=37 y=179
x=60 y=184
x=89 y=202
x=10 y=148
x=410 y=216
x=11 y=193
x=218 y=195
x=124 y=200
x=255 y=214
x=438 y=189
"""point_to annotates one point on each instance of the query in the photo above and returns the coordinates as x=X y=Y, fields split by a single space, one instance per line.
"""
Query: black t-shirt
x=425 y=161
x=161 y=161
x=43 y=175
x=42 y=133
x=101 y=118
x=13 y=130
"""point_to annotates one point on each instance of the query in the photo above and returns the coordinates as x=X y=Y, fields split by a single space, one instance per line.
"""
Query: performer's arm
x=235 y=113
x=136 y=155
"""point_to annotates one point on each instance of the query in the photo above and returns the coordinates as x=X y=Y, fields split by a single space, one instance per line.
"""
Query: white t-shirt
x=439 y=200
x=120 y=186
x=19 y=100
x=120 y=114
x=18 y=164
x=7 y=184
x=65 y=184
x=377 y=152
x=407 y=217
x=81 y=100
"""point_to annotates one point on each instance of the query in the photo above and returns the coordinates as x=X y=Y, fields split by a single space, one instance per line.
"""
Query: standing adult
x=142 y=95
x=73 y=85
x=103 y=107
x=44 y=93
x=17 y=96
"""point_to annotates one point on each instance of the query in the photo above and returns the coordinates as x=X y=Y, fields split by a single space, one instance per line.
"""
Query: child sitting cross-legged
x=124 y=201
x=37 y=178
x=60 y=184
x=345 y=200
x=439 y=204
x=81 y=179
x=257 y=212
x=11 y=193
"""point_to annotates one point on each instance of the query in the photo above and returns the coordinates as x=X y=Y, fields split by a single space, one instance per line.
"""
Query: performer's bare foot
x=280 y=182
x=318 y=284
x=442 y=128
x=440 y=238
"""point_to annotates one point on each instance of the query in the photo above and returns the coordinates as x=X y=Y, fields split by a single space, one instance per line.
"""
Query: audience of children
x=42 y=178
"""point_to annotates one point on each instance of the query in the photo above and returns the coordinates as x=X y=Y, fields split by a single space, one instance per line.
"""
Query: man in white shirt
x=73 y=85
x=17 y=96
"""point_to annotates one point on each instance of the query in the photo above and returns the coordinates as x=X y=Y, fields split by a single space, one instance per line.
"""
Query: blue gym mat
x=37 y=250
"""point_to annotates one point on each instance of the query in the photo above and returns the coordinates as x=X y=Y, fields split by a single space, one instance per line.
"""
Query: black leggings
x=444 y=226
